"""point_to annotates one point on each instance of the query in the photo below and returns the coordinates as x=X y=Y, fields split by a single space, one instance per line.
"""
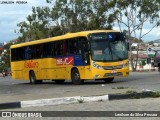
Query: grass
x=131 y=92
x=120 y=87
x=136 y=95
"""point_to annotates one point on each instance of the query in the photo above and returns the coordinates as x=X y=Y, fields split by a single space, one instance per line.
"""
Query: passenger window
x=72 y=46
x=28 y=52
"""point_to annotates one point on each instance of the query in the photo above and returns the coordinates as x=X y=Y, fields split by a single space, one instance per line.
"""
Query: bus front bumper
x=99 y=74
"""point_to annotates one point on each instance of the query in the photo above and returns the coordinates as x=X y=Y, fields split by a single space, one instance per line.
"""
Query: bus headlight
x=97 y=66
x=126 y=65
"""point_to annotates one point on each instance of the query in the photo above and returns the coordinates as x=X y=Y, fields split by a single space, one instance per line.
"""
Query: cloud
x=158 y=33
x=11 y=14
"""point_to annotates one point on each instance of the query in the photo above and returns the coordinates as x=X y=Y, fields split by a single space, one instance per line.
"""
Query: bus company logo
x=31 y=64
x=65 y=61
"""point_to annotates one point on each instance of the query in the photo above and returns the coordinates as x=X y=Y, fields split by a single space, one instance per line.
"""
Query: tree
x=36 y=25
x=63 y=16
x=79 y=15
x=134 y=16
x=5 y=57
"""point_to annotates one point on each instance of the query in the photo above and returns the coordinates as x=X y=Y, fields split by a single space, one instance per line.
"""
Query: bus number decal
x=65 y=61
x=31 y=64
x=59 y=61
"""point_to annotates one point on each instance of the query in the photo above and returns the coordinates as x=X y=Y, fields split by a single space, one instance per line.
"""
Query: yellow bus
x=86 y=55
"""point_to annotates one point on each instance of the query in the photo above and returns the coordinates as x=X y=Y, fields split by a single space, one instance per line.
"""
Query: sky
x=13 y=13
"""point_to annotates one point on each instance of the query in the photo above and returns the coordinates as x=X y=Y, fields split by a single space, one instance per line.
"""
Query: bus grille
x=112 y=67
x=113 y=74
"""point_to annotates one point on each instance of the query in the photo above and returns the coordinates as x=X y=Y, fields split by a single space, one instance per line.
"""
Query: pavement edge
x=74 y=99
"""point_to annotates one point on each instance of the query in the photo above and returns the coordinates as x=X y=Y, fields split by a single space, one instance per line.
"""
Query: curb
x=134 y=95
x=75 y=99
x=10 y=105
x=52 y=101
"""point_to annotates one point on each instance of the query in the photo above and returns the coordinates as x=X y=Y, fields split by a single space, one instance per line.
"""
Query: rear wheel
x=75 y=76
x=32 y=78
x=108 y=80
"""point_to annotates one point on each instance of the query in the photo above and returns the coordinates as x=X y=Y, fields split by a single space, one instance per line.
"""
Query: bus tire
x=108 y=80
x=59 y=81
x=32 y=78
x=75 y=76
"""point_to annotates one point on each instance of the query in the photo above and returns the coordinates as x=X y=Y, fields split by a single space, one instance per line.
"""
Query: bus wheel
x=32 y=78
x=75 y=76
x=108 y=80
x=59 y=81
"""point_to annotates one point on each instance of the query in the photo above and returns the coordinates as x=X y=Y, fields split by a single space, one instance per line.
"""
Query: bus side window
x=45 y=50
x=41 y=51
x=57 y=48
x=52 y=49
x=72 y=46
x=16 y=54
x=64 y=47
x=28 y=52
x=34 y=51
x=38 y=51
x=12 y=55
x=21 y=53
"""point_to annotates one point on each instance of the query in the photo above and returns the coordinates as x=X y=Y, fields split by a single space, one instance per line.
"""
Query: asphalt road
x=11 y=90
x=18 y=90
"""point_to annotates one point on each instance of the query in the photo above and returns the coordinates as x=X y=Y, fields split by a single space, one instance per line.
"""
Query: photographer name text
x=13 y=2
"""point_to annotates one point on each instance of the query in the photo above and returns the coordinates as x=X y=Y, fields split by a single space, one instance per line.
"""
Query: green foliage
x=145 y=94
x=64 y=16
x=3 y=67
x=36 y=25
x=142 y=62
x=131 y=92
x=120 y=87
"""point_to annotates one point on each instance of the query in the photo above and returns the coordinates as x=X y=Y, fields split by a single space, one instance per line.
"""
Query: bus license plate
x=114 y=71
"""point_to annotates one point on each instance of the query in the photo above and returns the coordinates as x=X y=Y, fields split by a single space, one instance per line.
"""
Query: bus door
x=84 y=54
x=84 y=50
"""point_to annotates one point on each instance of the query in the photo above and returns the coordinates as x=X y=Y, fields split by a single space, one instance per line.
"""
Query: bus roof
x=61 y=37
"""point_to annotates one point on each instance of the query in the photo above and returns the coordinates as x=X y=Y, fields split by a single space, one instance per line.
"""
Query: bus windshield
x=108 y=47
